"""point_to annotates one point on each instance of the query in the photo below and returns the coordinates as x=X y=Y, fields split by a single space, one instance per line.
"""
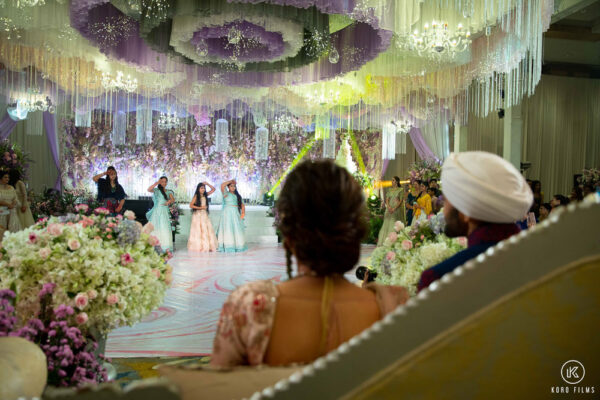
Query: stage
x=185 y=324
x=259 y=227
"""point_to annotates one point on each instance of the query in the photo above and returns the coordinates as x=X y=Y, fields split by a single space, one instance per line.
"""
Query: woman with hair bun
x=323 y=220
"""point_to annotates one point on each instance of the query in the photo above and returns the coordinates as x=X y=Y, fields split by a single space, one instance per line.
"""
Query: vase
x=101 y=338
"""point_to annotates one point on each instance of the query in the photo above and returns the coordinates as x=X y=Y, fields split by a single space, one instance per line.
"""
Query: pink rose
x=73 y=244
x=390 y=255
x=97 y=238
x=153 y=240
x=109 y=236
x=148 y=228
x=86 y=221
x=407 y=245
x=44 y=252
x=119 y=217
x=112 y=299
x=102 y=211
x=92 y=294
x=156 y=273
x=126 y=259
x=462 y=241
x=82 y=207
x=81 y=300
x=55 y=229
x=422 y=237
x=393 y=236
x=130 y=215
x=398 y=226
x=32 y=237
x=81 y=318
x=112 y=225
x=108 y=230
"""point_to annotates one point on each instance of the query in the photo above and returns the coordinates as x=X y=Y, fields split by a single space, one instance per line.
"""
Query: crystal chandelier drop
x=437 y=40
x=120 y=82
x=168 y=120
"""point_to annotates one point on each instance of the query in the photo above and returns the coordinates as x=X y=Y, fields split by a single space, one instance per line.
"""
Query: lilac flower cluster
x=437 y=223
x=128 y=232
x=70 y=357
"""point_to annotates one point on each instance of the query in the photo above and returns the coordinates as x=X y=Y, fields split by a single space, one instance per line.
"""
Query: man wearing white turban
x=484 y=197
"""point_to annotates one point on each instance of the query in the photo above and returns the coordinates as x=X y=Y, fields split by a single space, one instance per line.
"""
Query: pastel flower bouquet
x=109 y=269
x=408 y=251
x=425 y=170
x=12 y=157
x=69 y=353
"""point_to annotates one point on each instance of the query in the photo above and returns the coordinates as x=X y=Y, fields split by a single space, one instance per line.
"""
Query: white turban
x=485 y=187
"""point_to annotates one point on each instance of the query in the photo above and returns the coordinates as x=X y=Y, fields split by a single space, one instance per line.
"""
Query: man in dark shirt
x=484 y=195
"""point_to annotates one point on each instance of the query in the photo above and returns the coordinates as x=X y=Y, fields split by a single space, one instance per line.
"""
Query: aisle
x=185 y=324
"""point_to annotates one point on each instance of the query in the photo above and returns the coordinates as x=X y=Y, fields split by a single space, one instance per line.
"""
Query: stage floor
x=185 y=324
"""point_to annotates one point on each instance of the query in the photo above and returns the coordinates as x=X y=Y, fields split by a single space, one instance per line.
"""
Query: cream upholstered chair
x=500 y=326
x=23 y=371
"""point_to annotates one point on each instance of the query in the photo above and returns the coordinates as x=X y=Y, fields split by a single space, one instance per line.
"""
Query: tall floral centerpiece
x=109 y=270
x=425 y=170
x=408 y=251
x=13 y=157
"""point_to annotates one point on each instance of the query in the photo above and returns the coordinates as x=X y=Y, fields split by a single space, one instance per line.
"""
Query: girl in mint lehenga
x=159 y=215
x=230 y=232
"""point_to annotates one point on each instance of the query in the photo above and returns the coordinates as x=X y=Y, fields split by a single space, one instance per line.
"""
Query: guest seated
x=558 y=200
x=545 y=211
x=484 y=196
x=322 y=221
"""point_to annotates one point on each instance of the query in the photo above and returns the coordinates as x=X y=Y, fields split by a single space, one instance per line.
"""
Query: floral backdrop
x=188 y=155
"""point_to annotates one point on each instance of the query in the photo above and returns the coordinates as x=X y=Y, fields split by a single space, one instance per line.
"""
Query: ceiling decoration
x=306 y=57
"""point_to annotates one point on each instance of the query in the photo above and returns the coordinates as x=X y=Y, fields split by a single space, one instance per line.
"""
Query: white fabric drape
x=437 y=137
x=561 y=131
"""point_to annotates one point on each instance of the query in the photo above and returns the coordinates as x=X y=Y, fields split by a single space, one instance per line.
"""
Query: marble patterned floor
x=185 y=324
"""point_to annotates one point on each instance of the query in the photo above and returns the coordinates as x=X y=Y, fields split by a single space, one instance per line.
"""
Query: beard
x=454 y=226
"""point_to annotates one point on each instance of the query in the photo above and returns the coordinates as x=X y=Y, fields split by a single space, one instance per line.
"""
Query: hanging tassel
x=83 y=119
x=119 y=128
x=143 y=125
x=388 y=142
x=261 y=151
x=401 y=142
x=222 y=140
x=329 y=145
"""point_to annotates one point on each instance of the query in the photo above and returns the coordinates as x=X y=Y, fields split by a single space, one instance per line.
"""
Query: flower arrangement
x=109 y=269
x=54 y=203
x=590 y=176
x=408 y=251
x=12 y=157
x=365 y=180
x=70 y=355
x=425 y=170
x=182 y=151
x=175 y=212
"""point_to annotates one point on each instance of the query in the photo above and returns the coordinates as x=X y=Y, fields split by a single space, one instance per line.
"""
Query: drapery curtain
x=7 y=124
x=50 y=127
x=486 y=134
x=561 y=131
x=399 y=166
x=420 y=144
x=435 y=134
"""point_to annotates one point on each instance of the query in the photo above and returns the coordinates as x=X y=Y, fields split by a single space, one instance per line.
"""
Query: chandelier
x=31 y=101
x=437 y=40
x=402 y=126
x=168 y=120
x=120 y=82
